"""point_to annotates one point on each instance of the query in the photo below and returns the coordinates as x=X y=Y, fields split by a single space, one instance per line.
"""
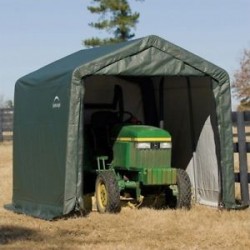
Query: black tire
x=107 y=193
x=183 y=197
x=184 y=190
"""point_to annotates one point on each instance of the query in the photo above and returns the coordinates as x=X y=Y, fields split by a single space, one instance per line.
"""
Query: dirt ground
x=200 y=228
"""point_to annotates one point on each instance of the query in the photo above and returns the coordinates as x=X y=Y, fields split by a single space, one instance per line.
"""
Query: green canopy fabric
x=48 y=120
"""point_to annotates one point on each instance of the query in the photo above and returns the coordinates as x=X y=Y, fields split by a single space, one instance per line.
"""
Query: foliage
x=243 y=106
x=5 y=103
x=116 y=18
x=1 y=101
x=241 y=82
x=9 y=104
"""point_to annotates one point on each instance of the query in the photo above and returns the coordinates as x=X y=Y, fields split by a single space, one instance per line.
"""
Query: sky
x=37 y=32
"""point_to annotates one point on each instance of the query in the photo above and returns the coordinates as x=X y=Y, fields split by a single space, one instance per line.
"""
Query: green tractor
x=128 y=161
x=140 y=167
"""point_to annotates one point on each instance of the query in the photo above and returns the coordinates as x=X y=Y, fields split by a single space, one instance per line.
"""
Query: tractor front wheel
x=107 y=193
x=179 y=195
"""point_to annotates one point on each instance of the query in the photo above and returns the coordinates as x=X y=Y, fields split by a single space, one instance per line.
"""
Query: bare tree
x=241 y=82
x=5 y=103
x=1 y=101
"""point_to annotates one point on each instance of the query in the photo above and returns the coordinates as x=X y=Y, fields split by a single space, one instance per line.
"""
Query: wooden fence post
x=243 y=158
x=1 y=125
x=6 y=123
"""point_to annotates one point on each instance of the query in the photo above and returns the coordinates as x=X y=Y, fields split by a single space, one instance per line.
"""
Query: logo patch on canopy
x=56 y=103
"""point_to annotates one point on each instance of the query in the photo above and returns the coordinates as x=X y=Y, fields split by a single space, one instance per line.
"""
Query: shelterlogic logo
x=56 y=103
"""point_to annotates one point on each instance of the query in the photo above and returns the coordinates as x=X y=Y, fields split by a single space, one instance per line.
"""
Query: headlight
x=143 y=145
x=165 y=145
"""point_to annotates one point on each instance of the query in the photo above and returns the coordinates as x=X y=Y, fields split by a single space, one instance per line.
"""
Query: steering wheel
x=127 y=117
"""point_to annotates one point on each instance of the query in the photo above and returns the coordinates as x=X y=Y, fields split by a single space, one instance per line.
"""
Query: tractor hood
x=143 y=133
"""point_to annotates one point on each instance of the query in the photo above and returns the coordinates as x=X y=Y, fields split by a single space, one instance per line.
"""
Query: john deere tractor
x=126 y=160
x=140 y=167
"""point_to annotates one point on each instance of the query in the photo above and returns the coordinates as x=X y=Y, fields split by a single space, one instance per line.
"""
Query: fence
x=242 y=120
x=6 y=123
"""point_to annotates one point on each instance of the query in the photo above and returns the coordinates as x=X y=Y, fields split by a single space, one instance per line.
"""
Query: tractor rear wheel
x=184 y=189
x=107 y=193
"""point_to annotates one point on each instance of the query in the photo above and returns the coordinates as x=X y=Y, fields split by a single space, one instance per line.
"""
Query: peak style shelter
x=162 y=84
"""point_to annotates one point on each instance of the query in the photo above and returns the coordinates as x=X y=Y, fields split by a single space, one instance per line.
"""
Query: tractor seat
x=102 y=123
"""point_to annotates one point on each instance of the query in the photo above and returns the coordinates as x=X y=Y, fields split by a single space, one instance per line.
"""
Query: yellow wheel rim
x=102 y=195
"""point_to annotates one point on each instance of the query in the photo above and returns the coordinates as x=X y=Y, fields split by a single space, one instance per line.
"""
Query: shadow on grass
x=9 y=234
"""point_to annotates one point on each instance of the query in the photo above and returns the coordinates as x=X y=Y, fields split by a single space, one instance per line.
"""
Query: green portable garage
x=162 y=85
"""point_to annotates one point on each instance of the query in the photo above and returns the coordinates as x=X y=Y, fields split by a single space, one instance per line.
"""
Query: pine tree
x=116 y=18
x=241 y=82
